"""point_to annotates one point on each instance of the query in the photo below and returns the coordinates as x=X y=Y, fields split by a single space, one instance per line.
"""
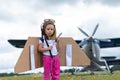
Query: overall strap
x=42 y=40
x=48 y=46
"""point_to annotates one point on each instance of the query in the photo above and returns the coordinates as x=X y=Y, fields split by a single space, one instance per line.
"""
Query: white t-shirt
x=51 y=43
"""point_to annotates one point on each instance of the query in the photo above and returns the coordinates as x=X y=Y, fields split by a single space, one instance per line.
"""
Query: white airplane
x=91 y=46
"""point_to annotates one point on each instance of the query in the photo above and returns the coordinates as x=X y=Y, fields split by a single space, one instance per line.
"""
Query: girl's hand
x=57 y=39
x=50 y=47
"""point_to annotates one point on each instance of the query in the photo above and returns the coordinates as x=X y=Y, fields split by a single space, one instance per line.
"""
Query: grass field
x=81 y=76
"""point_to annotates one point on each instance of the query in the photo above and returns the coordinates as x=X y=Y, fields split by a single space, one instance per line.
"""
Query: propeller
x=92 y=33
x=90 y=38
x=95 y=48
x=95 y=29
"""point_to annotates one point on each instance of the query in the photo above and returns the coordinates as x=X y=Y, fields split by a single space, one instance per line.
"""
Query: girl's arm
x=41 y=49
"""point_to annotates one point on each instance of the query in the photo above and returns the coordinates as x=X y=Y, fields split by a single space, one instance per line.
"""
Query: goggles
x=51 y=20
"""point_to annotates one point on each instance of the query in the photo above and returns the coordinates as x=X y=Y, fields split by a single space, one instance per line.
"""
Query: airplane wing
x=17 y=43
x=78 y=41
x=114 y=42
x=111 y=60
x=20 y=43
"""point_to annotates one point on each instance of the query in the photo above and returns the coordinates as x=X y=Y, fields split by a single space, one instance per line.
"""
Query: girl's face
x=49 y=30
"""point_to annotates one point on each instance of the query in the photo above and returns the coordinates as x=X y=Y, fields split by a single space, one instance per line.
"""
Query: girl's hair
x=43 y=26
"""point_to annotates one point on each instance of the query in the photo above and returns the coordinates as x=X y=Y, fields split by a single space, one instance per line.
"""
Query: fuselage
x=92 y=49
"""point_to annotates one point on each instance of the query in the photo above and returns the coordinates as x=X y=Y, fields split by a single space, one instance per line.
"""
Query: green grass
x=81 y=76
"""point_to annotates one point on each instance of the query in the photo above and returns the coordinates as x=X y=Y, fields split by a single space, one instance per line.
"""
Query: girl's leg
x=47 y=67
x=56 y=68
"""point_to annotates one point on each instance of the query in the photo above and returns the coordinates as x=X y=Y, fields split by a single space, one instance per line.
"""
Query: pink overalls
x=51 y=67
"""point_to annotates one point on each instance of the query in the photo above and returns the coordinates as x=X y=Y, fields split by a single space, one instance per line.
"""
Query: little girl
x=48 y=45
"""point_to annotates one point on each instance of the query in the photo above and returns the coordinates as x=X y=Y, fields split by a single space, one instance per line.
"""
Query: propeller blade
x=95 y=50
x=105 y=40
x=83 y=32
x=95 y=29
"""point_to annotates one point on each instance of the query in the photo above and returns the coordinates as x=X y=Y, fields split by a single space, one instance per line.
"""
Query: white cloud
x=8 y=60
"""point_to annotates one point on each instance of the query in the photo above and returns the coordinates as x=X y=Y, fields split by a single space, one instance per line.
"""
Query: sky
x=20 y=19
